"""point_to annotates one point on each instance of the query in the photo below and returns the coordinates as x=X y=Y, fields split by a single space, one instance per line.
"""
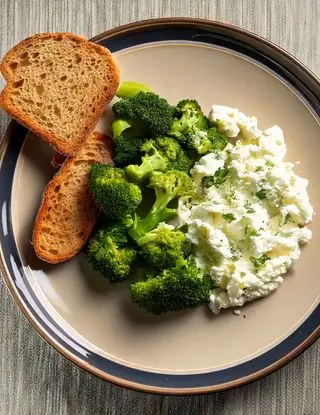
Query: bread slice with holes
x=68 y=213
x=58 y=85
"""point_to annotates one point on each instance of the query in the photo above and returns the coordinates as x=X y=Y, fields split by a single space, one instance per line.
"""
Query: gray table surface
x=34 y=379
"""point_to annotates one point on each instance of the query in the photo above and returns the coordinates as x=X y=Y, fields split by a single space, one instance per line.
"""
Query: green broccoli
x=127 y=150
x=163 y=246
x=110 y=253
x=159 y=154
x=147 y=112
x=129 y=88
x=188 y=118
x=184 y=286
x=168 y=186
x=113 y=193
x=205 y=141
x=119 y=126
x=127 y=143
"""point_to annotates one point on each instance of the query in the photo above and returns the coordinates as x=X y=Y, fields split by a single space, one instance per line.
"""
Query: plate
x=93 y=323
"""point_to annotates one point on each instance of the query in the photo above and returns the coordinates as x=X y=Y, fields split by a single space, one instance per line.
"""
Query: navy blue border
x=20 y=281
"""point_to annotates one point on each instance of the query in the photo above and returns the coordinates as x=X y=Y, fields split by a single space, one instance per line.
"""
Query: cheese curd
x=247 y=224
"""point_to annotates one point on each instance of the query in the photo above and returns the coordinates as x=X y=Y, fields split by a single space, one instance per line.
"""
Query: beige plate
x=99 y=317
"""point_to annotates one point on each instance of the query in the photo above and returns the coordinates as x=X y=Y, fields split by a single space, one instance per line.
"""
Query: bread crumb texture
x=58 y=85
x=68 y=213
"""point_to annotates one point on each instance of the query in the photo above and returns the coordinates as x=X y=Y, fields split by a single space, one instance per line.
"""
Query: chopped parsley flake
x=217 y=179
x=261 y=194
x=248 y=207
x=235 y=253
x=229 y=217
x=249 y=231
x=260 y=262
x=287 y=218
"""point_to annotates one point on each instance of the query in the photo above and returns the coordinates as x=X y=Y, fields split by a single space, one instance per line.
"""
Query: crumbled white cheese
x=231 y=121
x=247 y=230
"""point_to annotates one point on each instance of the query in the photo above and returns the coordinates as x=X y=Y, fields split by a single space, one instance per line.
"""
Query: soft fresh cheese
x=247 y=228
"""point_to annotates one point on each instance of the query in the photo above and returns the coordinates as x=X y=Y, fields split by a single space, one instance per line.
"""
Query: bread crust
x=87 y=224
x=64 y=148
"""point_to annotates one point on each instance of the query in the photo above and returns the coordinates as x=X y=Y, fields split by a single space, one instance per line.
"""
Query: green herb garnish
x=287 y=218
x=217 y=179
x=260 y=262
x=229 y=217
x=248 y=207
x=249 y=231
x=261 y=194
x=235 y=252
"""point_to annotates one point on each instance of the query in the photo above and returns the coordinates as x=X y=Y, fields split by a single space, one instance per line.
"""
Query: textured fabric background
x=34 y=379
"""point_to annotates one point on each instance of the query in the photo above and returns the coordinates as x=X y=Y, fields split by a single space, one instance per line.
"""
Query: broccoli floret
x=113 y=193
x=159 y=154
x=168 y=186
x=127 y=150
x=153 y=159
x=127 y=143
x=188 y=118
x=109 y=252
x=205 y=141
x=194 y=130
x=184 y=286
x=218 y=140
x=163 y=246
x=147 y=112
x=177 y=158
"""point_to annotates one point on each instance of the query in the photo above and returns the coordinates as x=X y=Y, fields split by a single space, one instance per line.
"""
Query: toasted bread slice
x=68 y=213
x=58 y=85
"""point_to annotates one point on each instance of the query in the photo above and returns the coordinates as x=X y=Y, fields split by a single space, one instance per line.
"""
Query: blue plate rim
x=116 y=39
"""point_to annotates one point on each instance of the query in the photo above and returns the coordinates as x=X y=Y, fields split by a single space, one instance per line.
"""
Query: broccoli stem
x=118 y=126
x=129 y=89
x=167 y=186
x=148 y=237
x=149 y=164
x=181 y=262
x=158 y=213
x=150 y=222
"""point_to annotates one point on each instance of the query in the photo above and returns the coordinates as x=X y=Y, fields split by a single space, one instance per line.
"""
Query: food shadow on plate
x=101 y=286
x=40 y=155
x=28 y=255
x=140 y=316
x=94 y=281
